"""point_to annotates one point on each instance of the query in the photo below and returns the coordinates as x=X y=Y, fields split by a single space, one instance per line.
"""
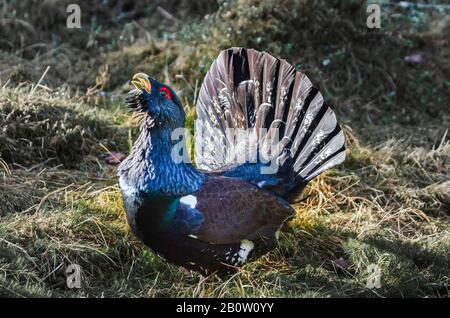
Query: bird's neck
x=151 y=168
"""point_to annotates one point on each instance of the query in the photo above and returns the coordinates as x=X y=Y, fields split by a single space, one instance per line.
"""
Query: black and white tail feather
x=247 y=89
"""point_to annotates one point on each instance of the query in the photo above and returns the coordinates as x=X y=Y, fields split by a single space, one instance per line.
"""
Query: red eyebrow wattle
x=167 y=91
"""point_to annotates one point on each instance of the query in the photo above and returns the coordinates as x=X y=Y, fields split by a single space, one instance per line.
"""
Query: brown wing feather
x=235 y=210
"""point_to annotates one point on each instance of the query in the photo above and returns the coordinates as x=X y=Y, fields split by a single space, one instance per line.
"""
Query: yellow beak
x=140 y=81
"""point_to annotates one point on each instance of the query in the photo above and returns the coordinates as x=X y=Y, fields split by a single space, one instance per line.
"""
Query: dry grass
x=387 y=205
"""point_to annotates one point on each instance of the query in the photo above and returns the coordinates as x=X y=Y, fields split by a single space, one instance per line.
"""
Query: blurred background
x=63 y=127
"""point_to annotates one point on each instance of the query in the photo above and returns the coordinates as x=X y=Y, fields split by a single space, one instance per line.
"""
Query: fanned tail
x=255 y=92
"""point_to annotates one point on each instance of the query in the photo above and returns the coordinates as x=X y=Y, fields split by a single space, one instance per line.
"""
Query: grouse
x=262 y=133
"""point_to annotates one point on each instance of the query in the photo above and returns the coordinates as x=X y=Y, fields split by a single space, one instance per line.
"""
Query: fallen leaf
x=342 y=263
x=114 y=158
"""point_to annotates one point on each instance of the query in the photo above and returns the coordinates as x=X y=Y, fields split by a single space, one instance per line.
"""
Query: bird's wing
x=233 y=210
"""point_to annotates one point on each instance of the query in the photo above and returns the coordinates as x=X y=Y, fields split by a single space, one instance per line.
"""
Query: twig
x=39 y=82
x=20 y=249
x=38 y=206
x=167 y=14
x=441 y=145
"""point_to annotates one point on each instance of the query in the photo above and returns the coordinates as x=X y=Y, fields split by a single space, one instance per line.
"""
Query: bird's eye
x=164 y=91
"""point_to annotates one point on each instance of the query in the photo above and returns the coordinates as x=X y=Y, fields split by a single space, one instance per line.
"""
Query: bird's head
x=156 y=101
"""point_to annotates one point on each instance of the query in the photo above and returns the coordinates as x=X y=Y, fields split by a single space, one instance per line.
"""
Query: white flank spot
x=261 y=184
x=277 y=234
x=193 y=236
x=189 y=200
x=246 y=247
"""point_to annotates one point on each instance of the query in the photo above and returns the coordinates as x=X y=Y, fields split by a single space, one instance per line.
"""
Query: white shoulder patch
x=246 y=247
x=189 y=200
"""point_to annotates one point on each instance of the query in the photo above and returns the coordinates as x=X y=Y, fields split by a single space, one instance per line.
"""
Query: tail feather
x=247 y=89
